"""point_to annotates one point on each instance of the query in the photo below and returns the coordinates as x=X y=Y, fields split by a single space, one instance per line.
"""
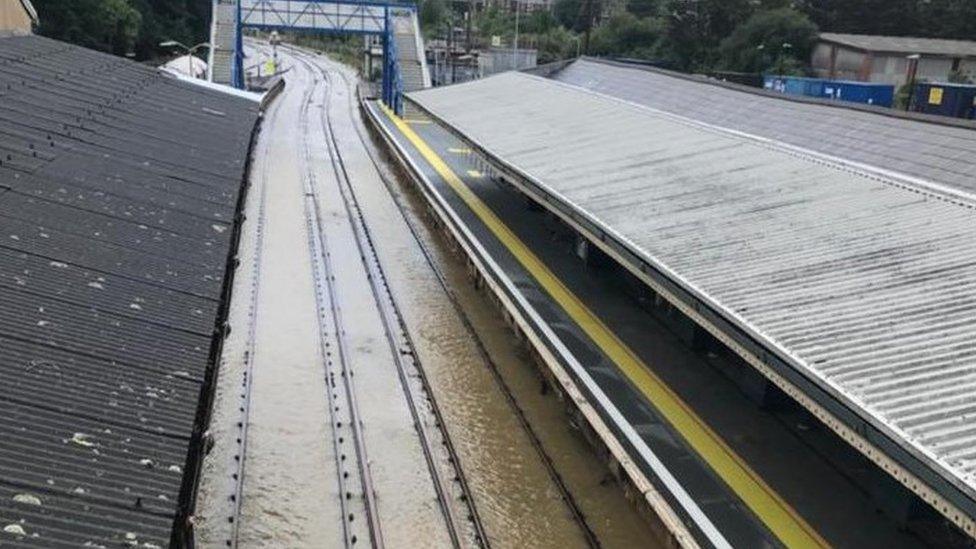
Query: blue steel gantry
x=329 y=17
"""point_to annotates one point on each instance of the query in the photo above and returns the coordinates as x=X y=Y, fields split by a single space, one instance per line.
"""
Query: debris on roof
x=119 y=190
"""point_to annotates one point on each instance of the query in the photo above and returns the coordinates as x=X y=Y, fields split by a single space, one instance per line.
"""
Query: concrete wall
x=14 y=18
x=495 y=60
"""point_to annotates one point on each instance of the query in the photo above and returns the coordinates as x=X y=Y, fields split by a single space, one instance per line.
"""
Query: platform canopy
x=864 y=285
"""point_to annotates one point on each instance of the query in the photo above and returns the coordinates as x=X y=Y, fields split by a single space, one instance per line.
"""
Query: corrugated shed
x=934 y=152
x=903 y=44
x=118 y=193
x=868 y=287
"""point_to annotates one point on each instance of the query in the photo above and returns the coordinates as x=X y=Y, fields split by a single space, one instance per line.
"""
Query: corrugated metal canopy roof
x=929 y=150
x=903 y=44
x=118 y=191
x=867 y=286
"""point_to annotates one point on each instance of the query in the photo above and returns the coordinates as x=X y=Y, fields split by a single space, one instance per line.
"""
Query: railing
x=369 y=17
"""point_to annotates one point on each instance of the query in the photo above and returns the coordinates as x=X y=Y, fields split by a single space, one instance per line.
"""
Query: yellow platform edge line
x=781 y=519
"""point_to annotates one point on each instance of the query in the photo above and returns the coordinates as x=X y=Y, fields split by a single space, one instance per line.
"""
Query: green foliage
x=933 y=18
x=903 y=96
x=644 y=8
x=695 y=28
x=345 y=49
x=537 y=22
x=626 y=35
x=125 y=26
x=777 y=41
x=494 y=21
x=107 y=25
x=555 y=44
x=567 y=13
x=432 y=14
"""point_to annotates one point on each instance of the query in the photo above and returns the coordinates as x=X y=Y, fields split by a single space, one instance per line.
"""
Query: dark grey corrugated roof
x=118 y=193
x=936 y=153
x=903 y=44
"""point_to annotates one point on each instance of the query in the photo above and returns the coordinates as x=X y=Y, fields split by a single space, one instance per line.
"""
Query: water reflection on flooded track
x=532 y=480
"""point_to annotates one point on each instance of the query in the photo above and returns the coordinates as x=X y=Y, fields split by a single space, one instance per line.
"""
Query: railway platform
x=720 y=461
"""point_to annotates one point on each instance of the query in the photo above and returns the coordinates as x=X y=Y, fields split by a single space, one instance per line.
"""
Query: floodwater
x=291 y=492
x=515 y=494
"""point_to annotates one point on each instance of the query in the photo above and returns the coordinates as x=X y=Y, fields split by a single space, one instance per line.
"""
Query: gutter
x=200 y=441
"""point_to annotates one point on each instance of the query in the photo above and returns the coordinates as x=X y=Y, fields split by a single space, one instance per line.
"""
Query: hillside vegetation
x=707 y=35
x=688 y=35
x=125 y=27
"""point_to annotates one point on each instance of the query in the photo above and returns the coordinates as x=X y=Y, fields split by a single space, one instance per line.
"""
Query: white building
x=187 y=65
x=17 y=17
x=885 y=58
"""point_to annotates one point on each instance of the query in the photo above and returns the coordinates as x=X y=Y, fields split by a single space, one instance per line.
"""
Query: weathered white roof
x=866 y=284
x=938 y=150
x=903 y=44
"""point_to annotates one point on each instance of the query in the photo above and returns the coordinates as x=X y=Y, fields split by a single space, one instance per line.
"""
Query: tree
x=106 y=25
x=567 y=13
x=694 y=29
x=626 y=35
x=555 y=44
x=644 y=8
x=432 y=14
x=780 y=40
x=886 y=17
x=125 y=26
x=538 y=22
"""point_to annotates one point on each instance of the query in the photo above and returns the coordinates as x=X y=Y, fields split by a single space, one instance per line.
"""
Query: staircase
x=224 y=39
x=410 y=51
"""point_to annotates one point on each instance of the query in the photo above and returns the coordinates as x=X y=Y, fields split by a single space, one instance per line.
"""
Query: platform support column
x=387 y=94
x=237 y=70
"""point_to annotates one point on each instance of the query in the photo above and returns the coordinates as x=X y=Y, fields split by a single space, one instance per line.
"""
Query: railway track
x=565 y=494
x=341 y=391
x=357 y=490
x=238 y=464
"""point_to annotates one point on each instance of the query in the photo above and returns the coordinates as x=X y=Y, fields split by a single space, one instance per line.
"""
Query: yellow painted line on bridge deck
x=778 y=516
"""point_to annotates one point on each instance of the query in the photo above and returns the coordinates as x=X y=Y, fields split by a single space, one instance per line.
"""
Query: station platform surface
x=753 y=477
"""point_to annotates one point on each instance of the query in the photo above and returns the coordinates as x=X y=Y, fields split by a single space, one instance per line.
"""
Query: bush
x=626 y=35
x=779 y=40
x=558 y=43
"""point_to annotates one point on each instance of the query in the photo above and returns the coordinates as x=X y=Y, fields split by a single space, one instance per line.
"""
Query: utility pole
x=450 y=46
x=468 y=16
x=515 y=42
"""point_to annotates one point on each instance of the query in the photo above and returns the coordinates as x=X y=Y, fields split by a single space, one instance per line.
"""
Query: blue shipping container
x=845 y=90
x=956 y=100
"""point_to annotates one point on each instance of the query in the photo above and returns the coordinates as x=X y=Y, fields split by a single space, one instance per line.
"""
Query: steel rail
x=240 y=458
x=496 y=374
x=398 y=338
x=326 y=291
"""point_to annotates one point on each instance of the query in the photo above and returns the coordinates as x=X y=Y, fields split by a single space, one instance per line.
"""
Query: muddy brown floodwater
x=517 y=498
